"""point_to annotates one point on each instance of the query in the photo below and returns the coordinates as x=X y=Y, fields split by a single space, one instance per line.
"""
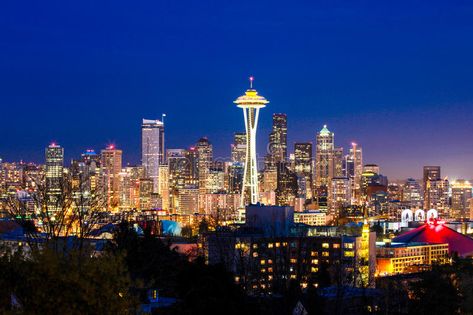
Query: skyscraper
x=204 y=162
x=354 y=170
x=323 y=156
x=286 y=191
x=303 y=165
x=178 y=174
x=461 y=193
x=152 y=149
x=251 y=103
x=435 y=189
x=336 y=163
x=412 y=194
x=111 y=161
x=239 y=147
x=431 y=173
x=278 y=138
x=54 y=177
x=339 y=194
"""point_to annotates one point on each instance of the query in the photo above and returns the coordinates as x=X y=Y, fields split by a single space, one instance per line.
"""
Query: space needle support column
x=251 y=103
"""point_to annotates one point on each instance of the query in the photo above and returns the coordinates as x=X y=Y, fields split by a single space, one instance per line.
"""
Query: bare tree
x=72 y=209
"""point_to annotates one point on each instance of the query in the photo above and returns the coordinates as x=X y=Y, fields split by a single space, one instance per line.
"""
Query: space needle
x=251 y=103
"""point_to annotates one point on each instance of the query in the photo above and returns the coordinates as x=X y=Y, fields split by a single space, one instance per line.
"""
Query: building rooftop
x=437 y=232
x=324 y=131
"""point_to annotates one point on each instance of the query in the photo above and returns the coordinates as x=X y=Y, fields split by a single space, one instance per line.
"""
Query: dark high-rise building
x=431 y=173
x=278 y=138
x=54 y=177
x=303 y=165
x=336 y=167
x=287 y=187
x=193 y=159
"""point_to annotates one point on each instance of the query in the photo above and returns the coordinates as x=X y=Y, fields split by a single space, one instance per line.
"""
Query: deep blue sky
x=395 y=76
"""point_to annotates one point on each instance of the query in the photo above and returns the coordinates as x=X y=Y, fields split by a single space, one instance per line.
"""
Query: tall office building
x=461 y=193
x=163 y=186
x=54 y=177
x=178 y=174
x=435 y=190
x=111 y=161
x=339 y=194
x=303 y=165
x=323 y=156
x=251 y=103
x=152 y=149
x=132 y=195
x=204 y=162
x=286 y=190
x=239 y=147
x=374 y=168
x=354 y=170
x=192 y=155
x=336 y=163
x=91 y=164
x=278 y=138
x=431 y=173
x=412 y=194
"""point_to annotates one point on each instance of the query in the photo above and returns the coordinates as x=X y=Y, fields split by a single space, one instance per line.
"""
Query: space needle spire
x=251 y=103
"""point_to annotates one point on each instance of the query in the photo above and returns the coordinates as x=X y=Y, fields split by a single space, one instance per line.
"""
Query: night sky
x=394 y=76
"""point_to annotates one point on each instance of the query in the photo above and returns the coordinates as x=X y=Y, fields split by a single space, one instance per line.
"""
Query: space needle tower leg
x=251 y=103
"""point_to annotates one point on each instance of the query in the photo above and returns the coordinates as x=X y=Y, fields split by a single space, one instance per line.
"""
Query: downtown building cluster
x=284 y=215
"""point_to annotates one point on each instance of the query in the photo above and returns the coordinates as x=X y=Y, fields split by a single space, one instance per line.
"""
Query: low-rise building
x=400 y=258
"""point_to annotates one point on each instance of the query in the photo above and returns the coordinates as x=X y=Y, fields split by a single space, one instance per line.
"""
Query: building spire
x=251 y=82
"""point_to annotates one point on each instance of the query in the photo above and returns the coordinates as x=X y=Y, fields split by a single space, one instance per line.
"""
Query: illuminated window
x=270 y=261
x=325 y=254
x=255 y=245
x=262 y=262
x=270 y=245
x=325 y=245
x=349 y=254
x=314 y=269
x=270 y=269
x=255 y=254
x=313 y=254
x=315 y=261
x=278 y=244
x=293 y=276
x=348 y=245
x=293 y=260
x=336 y=245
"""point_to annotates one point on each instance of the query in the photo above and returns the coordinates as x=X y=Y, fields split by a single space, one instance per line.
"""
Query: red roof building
x=436 y=232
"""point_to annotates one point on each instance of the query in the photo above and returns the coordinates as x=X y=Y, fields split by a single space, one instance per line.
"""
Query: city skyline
x=404 y=84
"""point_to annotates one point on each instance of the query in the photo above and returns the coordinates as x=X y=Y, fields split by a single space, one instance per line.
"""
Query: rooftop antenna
x=251 y=82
